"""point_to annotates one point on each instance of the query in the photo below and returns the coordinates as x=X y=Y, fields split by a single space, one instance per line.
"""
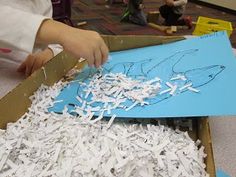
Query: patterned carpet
x=105 y=18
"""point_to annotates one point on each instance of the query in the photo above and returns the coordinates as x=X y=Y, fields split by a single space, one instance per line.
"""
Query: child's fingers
x=90 y=59
x=37 y=64
x=98 y=58
x=29 y=64
x=104 y=51
x=22 y=67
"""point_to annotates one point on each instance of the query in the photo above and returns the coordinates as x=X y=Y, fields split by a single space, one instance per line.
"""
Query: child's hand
x=35 y=61
x=86 y=44
x=169 y=2
x=80 y=43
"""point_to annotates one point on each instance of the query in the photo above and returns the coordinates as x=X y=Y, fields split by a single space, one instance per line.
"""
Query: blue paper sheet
x=221 y=173
x=207 y=62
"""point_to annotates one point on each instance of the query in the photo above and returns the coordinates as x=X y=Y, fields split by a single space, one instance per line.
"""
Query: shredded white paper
x=42 y=144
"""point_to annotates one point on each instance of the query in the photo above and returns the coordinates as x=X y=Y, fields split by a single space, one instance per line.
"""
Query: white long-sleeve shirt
x=179 y=6
x=19 y=24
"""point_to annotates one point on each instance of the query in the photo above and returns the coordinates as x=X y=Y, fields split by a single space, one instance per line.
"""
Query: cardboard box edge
x=56 y=68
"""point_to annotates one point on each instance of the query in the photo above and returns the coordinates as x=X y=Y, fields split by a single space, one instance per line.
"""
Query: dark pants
x=170 y=17
x=134 y=13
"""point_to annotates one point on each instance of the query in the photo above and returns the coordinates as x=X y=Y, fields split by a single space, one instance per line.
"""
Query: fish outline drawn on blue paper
x=150 y=68
x=166 y=67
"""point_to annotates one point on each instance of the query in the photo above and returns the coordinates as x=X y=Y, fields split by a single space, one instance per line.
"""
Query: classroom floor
x=106 y=20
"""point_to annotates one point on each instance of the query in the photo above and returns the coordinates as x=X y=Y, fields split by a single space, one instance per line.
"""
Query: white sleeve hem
x=56 y=49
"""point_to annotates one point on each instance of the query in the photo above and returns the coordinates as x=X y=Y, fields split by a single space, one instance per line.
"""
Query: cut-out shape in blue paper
x=207 y=62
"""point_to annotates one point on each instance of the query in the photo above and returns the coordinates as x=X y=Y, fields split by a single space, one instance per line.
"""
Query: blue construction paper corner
x=221 y=173
x=207 y=62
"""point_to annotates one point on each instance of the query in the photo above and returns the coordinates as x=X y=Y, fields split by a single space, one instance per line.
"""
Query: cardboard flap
x=123 y=42
x=204 y=135
x=16 y=102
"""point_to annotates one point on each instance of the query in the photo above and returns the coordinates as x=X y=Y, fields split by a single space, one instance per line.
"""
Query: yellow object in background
x=206 y=25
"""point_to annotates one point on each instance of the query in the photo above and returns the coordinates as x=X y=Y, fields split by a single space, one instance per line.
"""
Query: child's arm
x=180 y=2
x=80 y=43
x=169 y=2
x=176 y=2
x=22 y=30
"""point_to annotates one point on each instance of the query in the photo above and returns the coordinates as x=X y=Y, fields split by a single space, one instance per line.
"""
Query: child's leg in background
x=138 y=18
x=186 y=21
x=168 y=14
x=172 y=18
x=164 y=11
x=134 y=13
x=180 y=22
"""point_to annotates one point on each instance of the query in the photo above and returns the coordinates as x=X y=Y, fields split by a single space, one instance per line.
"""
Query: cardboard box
x=16 y=102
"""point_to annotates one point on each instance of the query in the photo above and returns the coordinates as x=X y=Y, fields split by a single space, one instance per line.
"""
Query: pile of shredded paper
x=44 y=144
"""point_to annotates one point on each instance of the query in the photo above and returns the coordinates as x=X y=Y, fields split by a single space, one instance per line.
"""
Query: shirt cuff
x=56 y=49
